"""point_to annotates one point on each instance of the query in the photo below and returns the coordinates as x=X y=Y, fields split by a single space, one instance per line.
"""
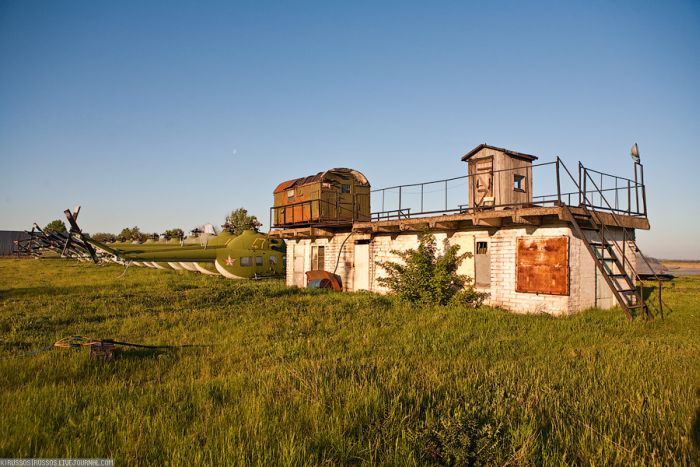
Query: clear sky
x=171 y=114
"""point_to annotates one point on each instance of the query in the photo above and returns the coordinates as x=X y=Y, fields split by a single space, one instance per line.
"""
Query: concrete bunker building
x=568 y=246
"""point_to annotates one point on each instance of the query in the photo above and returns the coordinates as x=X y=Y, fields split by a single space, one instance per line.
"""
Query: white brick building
x=552 y=255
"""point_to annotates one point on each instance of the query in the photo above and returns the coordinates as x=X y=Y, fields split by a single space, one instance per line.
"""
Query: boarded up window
x=318 y=258
x=482 y=265
x=542 y=265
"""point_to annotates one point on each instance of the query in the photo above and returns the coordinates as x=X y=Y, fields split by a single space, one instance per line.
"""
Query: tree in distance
x=239 y=220
x=131 y=234
x=424 y=276
x=104 y=237
x=56 y=226
x=176 y=233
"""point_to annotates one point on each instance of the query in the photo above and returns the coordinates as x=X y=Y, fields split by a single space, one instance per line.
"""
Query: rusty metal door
x=482 y=264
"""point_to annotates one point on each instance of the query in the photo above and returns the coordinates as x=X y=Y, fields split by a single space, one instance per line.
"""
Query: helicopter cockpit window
x=246 y=261
x=258 y=260
x=272 y=260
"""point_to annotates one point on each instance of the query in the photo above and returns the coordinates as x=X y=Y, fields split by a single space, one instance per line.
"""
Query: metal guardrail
x=628 y=196
x=312 y=212
x=594 y=189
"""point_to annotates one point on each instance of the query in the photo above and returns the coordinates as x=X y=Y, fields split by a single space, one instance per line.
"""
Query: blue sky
x=171 y=114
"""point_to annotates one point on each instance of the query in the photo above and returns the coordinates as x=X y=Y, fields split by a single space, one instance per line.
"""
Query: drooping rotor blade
x=76 y=233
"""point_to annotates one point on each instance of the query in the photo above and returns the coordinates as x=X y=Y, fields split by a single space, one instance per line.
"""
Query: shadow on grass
x=695 y=427
x=133 y=354
x=24 y=292
x=141 y=353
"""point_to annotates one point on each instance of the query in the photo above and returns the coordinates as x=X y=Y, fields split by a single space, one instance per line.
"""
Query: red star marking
x=229 y=261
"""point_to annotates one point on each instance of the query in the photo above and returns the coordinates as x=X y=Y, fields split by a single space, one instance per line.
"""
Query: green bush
x=424 y=276
x=469 y=297
x=56 y=226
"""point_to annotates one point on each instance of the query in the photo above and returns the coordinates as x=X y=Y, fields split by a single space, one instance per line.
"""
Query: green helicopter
x=247 y=255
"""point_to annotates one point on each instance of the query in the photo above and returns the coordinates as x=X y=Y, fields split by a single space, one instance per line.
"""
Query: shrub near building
x=427 y=277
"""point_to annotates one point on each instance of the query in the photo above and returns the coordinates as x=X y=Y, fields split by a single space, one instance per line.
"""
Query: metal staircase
x=613 y=265
x=611 y=255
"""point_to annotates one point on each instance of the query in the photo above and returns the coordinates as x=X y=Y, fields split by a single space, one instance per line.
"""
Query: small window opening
x=345 y=188
x=482 y=248
x=272 y=260
x=290 y=195
x=318 y=258
x=258 y=260
x=519 y=182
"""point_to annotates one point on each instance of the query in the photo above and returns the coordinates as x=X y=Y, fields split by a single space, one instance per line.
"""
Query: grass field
x=307 y=377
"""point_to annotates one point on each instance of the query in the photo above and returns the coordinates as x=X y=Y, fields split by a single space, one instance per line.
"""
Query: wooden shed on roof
x=499 y=177
x=337 y=195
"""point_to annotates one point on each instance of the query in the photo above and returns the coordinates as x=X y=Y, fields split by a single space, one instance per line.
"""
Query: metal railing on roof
x=452 y=195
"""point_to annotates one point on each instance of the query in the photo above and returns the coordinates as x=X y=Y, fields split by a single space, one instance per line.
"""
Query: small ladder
x=610 y=260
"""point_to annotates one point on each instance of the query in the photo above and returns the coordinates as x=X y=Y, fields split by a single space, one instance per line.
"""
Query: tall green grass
x=308 y=377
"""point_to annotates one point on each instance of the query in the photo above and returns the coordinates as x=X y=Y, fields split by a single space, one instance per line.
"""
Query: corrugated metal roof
x=521 y=155
x=654 y=268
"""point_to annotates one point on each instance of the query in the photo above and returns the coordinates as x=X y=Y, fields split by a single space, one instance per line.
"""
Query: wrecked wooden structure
x=543 y=237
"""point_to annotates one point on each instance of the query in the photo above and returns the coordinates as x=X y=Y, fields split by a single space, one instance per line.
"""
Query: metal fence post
x=445 y=195
x=579 y=183
x=558 y=183
x=644 y=190
x=422 y=185
x=636 y=188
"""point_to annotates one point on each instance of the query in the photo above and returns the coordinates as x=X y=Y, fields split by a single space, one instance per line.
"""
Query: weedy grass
x=309 y=377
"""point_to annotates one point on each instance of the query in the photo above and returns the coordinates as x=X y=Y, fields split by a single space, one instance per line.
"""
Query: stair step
x=627 y=291
x=617 y=275
x=601 y=244
x=588 y=228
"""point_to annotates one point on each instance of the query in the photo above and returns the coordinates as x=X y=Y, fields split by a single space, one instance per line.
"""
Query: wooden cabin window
x=258 y=260
x=519 y=183
x=345 y=188
x=290 y=196
x=246 y=261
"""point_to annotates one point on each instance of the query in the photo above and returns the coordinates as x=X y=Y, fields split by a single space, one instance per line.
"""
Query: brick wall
x=586 y=288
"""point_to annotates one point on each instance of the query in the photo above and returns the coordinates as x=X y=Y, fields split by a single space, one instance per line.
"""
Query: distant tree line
x=236 y=222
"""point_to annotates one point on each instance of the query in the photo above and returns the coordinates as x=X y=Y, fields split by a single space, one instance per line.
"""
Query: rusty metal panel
x=542 y=265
